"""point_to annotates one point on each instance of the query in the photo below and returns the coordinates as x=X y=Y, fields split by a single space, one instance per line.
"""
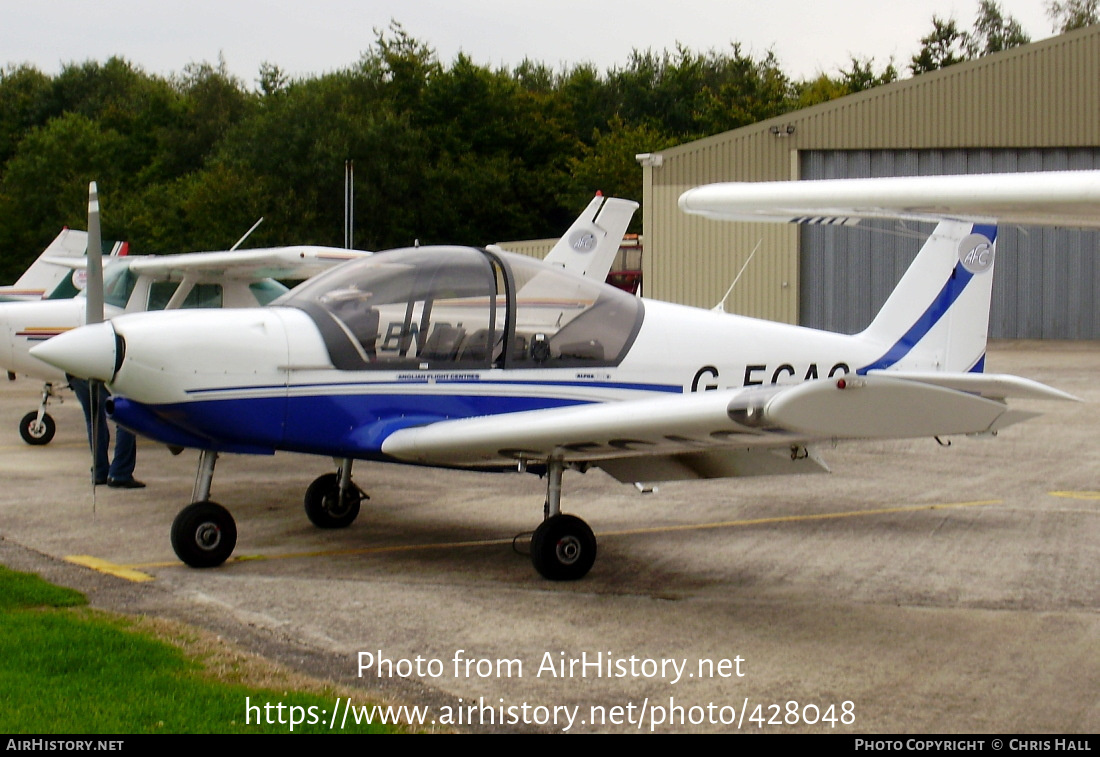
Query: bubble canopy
x=439 y=308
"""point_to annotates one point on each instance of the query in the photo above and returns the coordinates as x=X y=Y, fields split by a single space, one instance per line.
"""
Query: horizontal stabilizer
x=1056 y=198
x=992 y=385
x=876 y=407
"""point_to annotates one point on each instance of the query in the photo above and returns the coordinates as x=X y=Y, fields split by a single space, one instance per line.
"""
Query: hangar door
x=1046 y=282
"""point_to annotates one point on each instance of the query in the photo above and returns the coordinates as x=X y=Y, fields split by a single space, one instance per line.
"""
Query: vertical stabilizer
x=591 y=243
x=43 y=276
x=937 y=318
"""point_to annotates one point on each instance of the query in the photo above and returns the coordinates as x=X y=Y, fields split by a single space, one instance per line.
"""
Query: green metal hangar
x=1033 y=108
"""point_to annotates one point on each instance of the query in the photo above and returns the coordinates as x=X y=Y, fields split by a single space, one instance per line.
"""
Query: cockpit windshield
x=118 y=284
x=450 y=307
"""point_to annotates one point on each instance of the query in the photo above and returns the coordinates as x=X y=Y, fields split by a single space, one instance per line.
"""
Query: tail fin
x=43 y=276
x=589 y=246
x=937 y=318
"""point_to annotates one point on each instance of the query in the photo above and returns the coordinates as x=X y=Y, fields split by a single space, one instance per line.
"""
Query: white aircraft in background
x=48 y=273
x=230 y=279
x=134 y=283
x=478 y=359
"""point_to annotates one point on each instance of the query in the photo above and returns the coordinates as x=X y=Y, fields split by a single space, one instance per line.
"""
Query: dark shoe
x=130 y=483
x=100 y=481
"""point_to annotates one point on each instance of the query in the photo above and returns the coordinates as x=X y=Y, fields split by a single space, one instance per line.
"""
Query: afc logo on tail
x=976 y=253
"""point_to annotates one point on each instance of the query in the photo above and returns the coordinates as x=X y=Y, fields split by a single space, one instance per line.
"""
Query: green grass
x=67 y=669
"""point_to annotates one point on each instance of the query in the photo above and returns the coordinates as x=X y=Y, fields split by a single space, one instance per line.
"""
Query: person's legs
x=125 y=459
x=93 y=409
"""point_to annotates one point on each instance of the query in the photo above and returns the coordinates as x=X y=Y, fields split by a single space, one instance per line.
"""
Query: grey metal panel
x=1047 y=281
x=532 y=248
x=1031 y=105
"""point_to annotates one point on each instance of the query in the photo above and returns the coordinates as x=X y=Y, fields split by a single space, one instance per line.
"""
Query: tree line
x=444 y=153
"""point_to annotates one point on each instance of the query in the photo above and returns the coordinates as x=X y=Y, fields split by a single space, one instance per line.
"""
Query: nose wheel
x=38 y=427
x=35 y=431
x=328 y=507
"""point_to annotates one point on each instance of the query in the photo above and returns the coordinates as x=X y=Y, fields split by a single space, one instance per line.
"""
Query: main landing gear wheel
x=324 y=507
x=563 y=548
x=204 y=534
x=37 y=433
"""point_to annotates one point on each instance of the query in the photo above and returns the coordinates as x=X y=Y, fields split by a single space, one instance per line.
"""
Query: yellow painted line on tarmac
x=1076 y=495
x=377 y=550
x=800 y=518
x=136 y=567
x=627 y=532
x=51 y=445
x=121 y=571
x=132 y=572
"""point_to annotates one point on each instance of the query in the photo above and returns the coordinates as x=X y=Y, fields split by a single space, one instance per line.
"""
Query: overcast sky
x=305 y=37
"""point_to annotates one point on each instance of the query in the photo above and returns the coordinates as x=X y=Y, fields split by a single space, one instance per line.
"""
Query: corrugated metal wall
x=1012 y=106
x=693 y=260
x=1046 y=282
x=532 y=248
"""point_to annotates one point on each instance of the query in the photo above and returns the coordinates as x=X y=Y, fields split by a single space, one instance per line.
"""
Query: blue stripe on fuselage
x=429 y=379
x=350 y=425
x=341 y=424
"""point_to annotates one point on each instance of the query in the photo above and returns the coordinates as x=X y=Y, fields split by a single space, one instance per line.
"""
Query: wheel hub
x=336 y=508
x=208 y=536
x=568 y=550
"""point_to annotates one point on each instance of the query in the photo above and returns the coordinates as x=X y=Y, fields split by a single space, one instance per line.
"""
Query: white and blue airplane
x=477 y=359
x=231 y=278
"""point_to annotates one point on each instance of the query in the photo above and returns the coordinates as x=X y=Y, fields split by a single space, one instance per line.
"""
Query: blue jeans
x=125 y=460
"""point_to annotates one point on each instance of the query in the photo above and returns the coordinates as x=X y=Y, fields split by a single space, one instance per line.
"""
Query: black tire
x=323 y=506
x=34 y=434
x=563 y=548
x=204 y=534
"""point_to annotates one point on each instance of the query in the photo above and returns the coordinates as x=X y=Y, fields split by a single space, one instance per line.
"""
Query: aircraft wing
x=295 y=262
x=725 y=433
x=1058 y=198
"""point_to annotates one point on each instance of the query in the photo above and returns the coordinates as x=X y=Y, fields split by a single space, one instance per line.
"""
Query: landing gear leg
x=204 y=533
x=563 y=547
x=204 y=476
x=38 y=428
x=333 y=500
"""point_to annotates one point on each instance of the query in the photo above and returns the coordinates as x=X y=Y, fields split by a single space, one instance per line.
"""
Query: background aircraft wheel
x=323 y=504
x=563 y=548
x=204 y=534
x=34 y=432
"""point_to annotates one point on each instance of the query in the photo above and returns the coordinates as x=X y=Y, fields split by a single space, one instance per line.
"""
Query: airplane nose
x=87 y=352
